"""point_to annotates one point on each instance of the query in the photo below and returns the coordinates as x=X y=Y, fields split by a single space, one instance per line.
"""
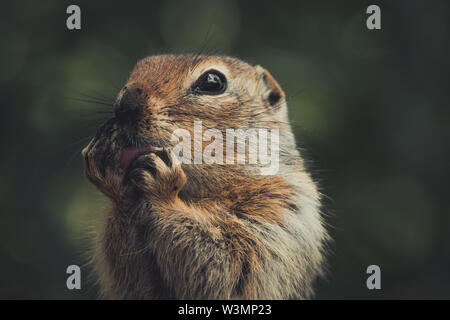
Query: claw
x=164 y=154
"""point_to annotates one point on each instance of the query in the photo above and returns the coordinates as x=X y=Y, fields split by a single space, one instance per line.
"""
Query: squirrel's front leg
x=158 y=176
x=203 y=252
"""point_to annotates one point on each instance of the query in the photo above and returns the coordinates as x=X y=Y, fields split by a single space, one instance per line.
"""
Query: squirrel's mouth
x=127 y=155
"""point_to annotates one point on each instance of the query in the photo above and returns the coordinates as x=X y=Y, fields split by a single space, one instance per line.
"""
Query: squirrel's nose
x=128 y=108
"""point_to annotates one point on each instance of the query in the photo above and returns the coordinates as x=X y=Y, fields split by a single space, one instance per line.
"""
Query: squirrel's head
x=170 y=92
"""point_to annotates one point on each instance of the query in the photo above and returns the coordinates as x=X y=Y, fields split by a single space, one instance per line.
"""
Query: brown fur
x=177 y=231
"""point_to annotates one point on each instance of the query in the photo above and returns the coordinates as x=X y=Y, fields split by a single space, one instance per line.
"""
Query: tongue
x=129 y=154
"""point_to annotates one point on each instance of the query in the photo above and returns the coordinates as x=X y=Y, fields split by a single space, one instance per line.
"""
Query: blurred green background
x=369 y=107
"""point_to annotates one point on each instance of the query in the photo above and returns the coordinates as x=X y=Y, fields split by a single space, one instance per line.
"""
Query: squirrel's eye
x=211 y=82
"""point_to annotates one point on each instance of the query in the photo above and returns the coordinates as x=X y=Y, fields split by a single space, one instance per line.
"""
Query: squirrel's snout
x=129 y=106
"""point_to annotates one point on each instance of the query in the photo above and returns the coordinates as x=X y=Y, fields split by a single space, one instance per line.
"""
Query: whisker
x=93 y=101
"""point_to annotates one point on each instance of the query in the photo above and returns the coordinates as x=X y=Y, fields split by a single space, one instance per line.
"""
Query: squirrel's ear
x=269 y=88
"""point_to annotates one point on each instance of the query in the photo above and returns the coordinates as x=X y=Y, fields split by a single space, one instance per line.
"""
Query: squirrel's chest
x=129 y=266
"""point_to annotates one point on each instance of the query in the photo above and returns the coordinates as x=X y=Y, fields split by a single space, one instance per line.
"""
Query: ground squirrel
x=201 y=231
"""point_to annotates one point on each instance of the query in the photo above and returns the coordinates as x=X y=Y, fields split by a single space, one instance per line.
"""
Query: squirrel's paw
x=160 y=174
x=99 y=163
